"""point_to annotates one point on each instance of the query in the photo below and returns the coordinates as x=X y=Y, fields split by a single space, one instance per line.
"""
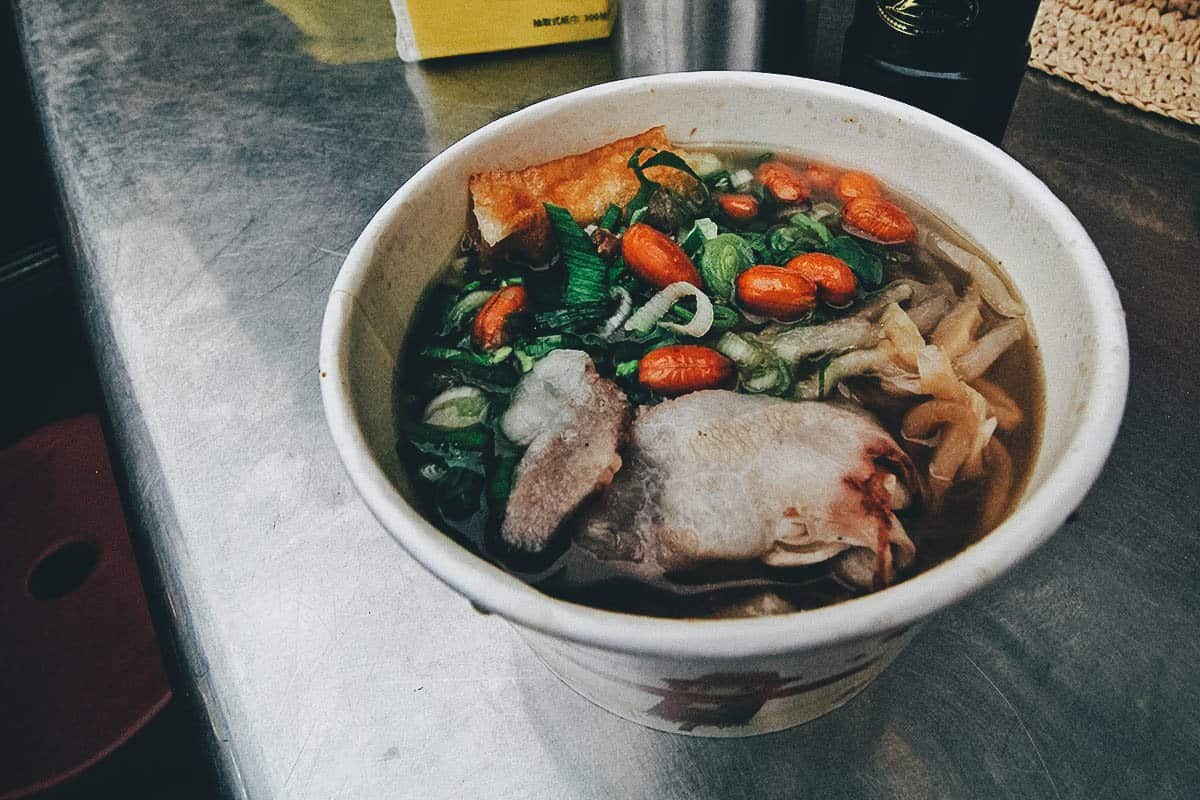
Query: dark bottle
x=960 y=59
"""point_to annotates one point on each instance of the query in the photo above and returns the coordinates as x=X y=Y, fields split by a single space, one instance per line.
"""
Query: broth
x=938 y=532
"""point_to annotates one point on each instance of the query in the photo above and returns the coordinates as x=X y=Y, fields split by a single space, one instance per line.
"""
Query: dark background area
x=49 y=375
x=45 y=358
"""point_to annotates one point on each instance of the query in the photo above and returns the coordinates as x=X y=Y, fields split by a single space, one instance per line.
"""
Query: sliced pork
x=572 y=423
x=716 y=476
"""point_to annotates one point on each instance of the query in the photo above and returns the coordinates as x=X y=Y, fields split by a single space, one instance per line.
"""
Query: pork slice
x=715 y=475
x=572 y=423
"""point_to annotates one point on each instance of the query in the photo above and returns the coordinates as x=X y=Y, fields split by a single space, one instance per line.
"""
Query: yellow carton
x=436 y=28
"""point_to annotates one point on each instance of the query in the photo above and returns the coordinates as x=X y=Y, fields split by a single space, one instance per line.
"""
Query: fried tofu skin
x=508 y=221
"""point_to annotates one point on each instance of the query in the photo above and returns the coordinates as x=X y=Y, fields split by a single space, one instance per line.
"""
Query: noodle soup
x=715 y=382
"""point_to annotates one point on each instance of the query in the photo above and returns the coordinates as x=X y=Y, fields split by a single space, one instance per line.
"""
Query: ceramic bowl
x=746 y=676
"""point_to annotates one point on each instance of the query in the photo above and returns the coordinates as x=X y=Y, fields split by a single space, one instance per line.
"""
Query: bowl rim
x=1037 y=517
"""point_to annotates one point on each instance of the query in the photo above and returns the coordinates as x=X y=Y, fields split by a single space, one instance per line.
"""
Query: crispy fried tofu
x=507 y=218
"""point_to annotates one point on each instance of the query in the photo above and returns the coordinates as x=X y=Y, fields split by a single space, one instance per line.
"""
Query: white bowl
x=746 y=676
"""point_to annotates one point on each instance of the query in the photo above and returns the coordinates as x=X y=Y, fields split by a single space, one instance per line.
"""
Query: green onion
x=452 y=461
x=432 y=472
x=586 y=271
x=543 y=345
x=825 y=211
x=455 y=356
x=426 y=437
x=741 y=179
x=723 y=258
x=500 y=481
x=739 y=351
x=473 y=369
x=774 y=380
x=456 y=408
x=719 y=181
x=760 y=371
x=610 y=219
x=701 y=231
x=643 y=320
x=625 y=368
x=724 y=318
x=464 y=309
x=572 y=319
x=618 y=317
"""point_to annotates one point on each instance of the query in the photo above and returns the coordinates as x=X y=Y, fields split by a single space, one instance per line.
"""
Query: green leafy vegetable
x=788 y=241
x=545 y=344
x=500 y=481
x=572 y=319
x=465 y=357
x=866 y=266
x=719 y=181
x=647 y=187
x=813 y=227
x=457 y=493
x=780 y=243
x=452 y=460
x=485 y=372
x=432 y=439
x=464 y=310
x=501 y=469
x=724 y=318
x=757 y=242
x=701 y=231
x=586 y=271
x=619 y=276
x=626 y=368
x=432 y=310
x=612 y=216
x=723 y=258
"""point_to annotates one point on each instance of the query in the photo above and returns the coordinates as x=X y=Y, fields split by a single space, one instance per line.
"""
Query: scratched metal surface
x=214 y=174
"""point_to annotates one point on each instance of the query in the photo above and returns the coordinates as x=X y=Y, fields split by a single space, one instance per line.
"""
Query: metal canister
x=653 y=36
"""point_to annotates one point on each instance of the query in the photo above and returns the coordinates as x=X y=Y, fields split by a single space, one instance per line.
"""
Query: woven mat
x=1142 y=52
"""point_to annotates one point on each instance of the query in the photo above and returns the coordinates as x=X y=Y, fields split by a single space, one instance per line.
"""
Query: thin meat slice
x=720 y=476
x=571 y=422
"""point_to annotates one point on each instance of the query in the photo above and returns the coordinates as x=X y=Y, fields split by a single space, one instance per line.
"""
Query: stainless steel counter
x=214 y=172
